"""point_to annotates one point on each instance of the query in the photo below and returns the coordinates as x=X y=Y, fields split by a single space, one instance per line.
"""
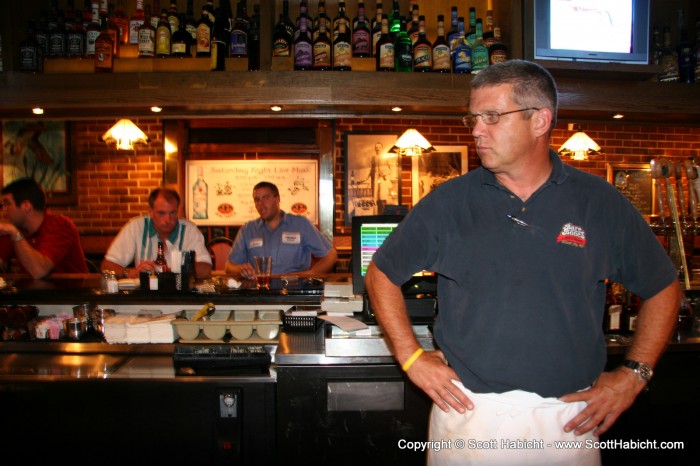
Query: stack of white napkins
x=131 y=329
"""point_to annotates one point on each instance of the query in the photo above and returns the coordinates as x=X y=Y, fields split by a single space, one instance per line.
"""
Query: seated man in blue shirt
x=291 y=240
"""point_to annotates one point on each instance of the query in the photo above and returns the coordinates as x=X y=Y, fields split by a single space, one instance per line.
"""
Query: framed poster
x=40 y=150
x=429 y=170
x=634 y=181
x=372 y=174
x=220 y=192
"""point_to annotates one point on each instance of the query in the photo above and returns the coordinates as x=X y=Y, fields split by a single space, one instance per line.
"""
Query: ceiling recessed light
x=396 y=108
x=156 y=109
x=276 y=108
x=618 y=116
x=38 y=111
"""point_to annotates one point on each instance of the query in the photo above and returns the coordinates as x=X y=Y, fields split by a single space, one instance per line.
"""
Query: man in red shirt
x=41 y=242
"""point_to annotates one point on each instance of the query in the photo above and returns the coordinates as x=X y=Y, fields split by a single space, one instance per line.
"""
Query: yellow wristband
x=407 y=365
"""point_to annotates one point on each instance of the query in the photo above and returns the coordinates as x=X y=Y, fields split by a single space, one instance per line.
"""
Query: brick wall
x=113 y=185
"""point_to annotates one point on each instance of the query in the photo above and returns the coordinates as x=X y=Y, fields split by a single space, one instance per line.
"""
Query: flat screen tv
x=368 y=233
x=610 y=31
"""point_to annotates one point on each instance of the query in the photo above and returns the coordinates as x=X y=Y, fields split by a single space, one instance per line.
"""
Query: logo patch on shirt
x=573 y=235
x=291 y=237
x=255 y=243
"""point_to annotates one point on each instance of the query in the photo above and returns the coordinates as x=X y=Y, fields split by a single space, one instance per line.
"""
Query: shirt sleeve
x=239 y=252
x=194 y=240
x=123 y=249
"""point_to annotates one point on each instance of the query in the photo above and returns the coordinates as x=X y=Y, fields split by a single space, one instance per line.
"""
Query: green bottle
x=403 y=49
x=480 y=54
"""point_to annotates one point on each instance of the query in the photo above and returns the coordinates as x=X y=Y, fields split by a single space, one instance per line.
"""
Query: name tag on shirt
x=255 y=243
x=291 y=237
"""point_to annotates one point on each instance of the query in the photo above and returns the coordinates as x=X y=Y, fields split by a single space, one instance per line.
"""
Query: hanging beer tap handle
x=657 y=175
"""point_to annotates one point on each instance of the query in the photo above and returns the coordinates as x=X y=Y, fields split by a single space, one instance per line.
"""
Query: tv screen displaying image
x=592 y=30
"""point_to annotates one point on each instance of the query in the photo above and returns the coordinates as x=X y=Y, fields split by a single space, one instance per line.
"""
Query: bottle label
x=421 y=57
x=203 y=39
x=342 y=55
x=386 y=56
x=615 y=312
x=134 y=26
x=179 y=48
x=103 y=55
x=147 y=45
x=632 y=323
x=480 y=58
x=239 y=43
x=498 y=56
x=441 y=57
x=303 y=54
x=280 y=48
x=163 y=41
x=463 y=60
x=360 y=40
x=200 y=194
x=91 y=37
x=322 y=55
x=75 y=45
x=28 y=58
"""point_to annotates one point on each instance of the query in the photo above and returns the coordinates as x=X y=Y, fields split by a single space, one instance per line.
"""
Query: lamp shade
x=412 y=144
x=579 y=147
x=124 y=134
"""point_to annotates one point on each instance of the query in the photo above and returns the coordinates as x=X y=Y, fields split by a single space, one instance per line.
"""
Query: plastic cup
x=263 y=268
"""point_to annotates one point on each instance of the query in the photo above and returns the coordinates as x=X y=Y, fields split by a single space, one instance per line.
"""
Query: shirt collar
x=558 y=175
x=172 y=237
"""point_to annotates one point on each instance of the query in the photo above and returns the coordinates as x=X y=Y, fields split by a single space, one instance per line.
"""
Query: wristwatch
x=643 y=371
x=18 y=237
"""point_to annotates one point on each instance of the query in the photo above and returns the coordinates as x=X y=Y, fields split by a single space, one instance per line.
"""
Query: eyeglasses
x=489 y=118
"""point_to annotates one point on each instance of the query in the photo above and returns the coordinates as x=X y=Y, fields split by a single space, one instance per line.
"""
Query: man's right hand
x=431 y=374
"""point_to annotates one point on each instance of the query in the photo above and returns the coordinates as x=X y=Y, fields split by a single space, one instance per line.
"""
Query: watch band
x=643 y=371
x=18 y=237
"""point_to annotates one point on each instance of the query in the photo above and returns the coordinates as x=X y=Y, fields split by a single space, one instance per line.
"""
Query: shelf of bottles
x=250 y=35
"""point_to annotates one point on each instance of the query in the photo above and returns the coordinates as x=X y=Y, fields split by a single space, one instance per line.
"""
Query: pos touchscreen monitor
x=368 y=233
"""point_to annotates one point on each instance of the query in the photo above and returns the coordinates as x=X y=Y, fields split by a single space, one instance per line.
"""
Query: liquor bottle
x=122 y=22
x=239 y=33
x=480 y=54
x=70 y=15
x=361 y=35
x=441 y=49
x=303 y=14
x=200 y=196
x=422 y=50
x=394 y=20
x=686 y=54
x=160 y=264
x=612 y=319
x=403 y=49
x=163 y=35
x=87 y=14
x=254 y=40
x=656 y=47
x=455 y=37
x=322 y=17
x=282 y=39
x=204 y=29
x=31 y=54
x=462 y=53
x=76 y=39
x=136 y=21
x=104 y=49
x=42 y=34
x=191 y=21
x=470 y=35
x=147 y=36
x=303 y=47
x=376 y=29
x=181 y=40
x=342 y=48
x=173 y=18
x=377 y=19
x=498 y=52
x=414 y=30
x=630 y=313
x=384 y=53
x=488 y=29
x=208 y=9
x=342 y=16
x=57 y=37
x=93 y=31
x=286 y=20
x=219 y=39
x=669 y=59
x=112 y=27
x=155 y=18
x=323 y=49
